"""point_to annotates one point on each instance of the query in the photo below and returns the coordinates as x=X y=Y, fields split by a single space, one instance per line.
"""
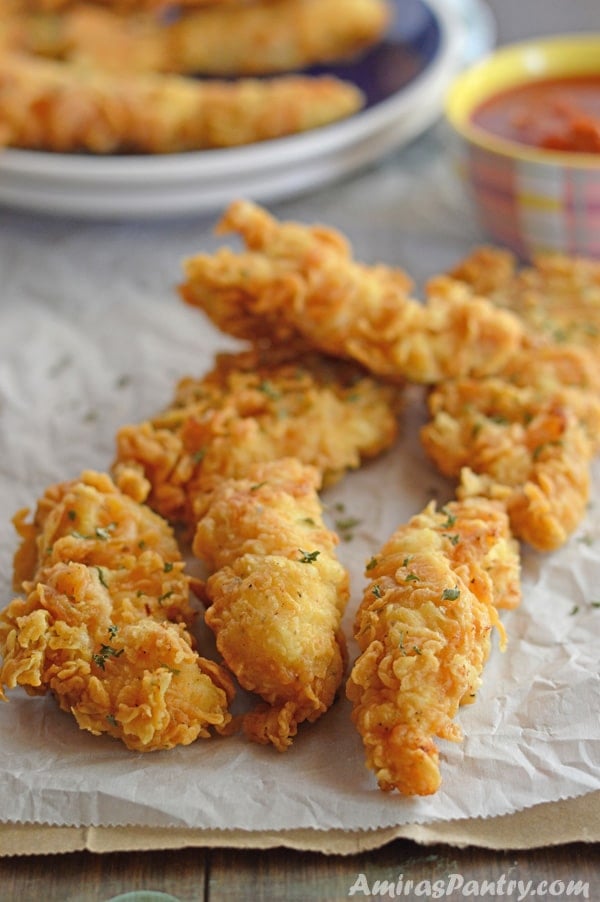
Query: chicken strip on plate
x=276 y=595
x=70 y=108
x=300 y=282
x=255 y=406
x=225 y=40
x=131 y=5
x=100 y=576
x=423 y=629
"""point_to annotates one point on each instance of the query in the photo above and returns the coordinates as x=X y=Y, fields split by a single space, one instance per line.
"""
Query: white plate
x=427 y=38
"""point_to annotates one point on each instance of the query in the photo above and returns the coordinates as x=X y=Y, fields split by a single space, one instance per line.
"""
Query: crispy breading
x=522 y=444
x=557 y=295
x=141 y=682
x=63 y=107
x=100 y=577
x=550 y=366
x=131 y=5
x=255 y=406
x=134 y=551
x=300 y=282
x=475 y=535
x=277 y=594
x=224 y=40
x=423 y=630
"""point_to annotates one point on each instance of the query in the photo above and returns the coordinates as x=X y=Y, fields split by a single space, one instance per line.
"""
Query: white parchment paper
x=92 y=336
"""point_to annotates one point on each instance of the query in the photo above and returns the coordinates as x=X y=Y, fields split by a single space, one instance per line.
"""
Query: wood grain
x=282 y=875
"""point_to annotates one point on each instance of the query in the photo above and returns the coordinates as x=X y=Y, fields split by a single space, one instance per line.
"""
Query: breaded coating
x=88 y=520
x=141 y=683
x=133 y=6
x=558 y=295
x=255 y=406
x=277 y=594
x=528 y=447
x=423 y=630
x=100 y=575
x=300 y=282
x=63 y=107
x=551 y=367
x=243 y=40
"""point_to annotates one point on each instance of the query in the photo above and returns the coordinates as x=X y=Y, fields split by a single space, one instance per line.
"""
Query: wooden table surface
x=227 y=875
x=438 y=871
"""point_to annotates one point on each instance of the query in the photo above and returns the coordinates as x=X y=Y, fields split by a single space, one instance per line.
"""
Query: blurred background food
x=527 y=126
x=110 y=77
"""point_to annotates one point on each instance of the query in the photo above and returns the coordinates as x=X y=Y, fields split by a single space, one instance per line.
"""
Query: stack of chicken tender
x=115 y=76
x=236 y=465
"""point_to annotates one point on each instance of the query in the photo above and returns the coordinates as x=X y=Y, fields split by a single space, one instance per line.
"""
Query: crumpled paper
x=92 y=336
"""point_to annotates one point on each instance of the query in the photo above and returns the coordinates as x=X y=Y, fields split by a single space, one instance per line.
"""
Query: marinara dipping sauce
x=554 y=114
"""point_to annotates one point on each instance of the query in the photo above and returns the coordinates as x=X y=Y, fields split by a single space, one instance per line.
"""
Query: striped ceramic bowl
x=529 y=199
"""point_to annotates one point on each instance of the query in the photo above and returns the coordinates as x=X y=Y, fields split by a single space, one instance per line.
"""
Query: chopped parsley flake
x=451 y=519
x=453 y=538
x=451 y=594
x=106 y=652
x=267 y=389
x=345 y=527
x=101 y=577
x=308 y=557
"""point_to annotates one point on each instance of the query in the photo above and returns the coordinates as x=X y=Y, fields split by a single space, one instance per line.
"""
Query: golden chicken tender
x=131 y=5
x=550 y=367
x=423 y=629
x=297 y=282
x=132 y=549
x=223 y=40
x=276 y=595
x=140 y=682
x=254 y=406
x=558 y=295
x=70 y=108
x=103 y=581
x=517 y=444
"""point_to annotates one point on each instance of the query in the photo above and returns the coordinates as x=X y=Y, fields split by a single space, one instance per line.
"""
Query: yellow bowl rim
x=567 y=49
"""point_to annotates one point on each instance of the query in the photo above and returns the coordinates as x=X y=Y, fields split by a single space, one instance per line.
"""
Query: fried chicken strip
x=300 y=282
x=277 y=594
x=525 y=445
x=89 y=521
x=558 y=295
x=254 y=406
x=54 y=106
x=423 y=629
x=100 y=576
x=223 y=40
x=25 y=8
x=130 y=5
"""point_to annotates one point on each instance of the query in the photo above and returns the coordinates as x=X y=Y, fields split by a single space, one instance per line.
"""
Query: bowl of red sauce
x=527 y=123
